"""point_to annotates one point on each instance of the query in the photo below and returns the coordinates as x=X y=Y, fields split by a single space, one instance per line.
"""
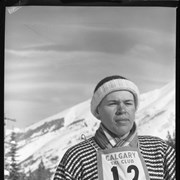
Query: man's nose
x=120 y=109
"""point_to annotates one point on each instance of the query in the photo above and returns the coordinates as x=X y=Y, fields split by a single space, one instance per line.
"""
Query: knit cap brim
x=110 y=86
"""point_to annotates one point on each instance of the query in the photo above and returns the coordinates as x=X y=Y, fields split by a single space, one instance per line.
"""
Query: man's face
x=117 y=112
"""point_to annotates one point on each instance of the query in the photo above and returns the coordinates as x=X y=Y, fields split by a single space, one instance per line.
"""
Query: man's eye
x=129 y=103
x=112 y=103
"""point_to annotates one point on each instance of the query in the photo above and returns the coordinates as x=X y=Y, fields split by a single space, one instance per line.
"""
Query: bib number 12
x=129 y=170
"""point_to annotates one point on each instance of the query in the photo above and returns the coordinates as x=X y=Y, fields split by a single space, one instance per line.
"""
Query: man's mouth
x=121 y=120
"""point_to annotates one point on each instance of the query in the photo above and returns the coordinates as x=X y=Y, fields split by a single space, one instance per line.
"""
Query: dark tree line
x=14 y=168
x=39 y=174
x=171 y=139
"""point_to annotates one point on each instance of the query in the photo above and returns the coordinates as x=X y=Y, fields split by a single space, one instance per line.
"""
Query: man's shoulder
x=82 y=152
x=84 y=146
x=149 y=138
x=152 y=141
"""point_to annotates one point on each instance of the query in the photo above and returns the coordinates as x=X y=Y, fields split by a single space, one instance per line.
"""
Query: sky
x=55 y=56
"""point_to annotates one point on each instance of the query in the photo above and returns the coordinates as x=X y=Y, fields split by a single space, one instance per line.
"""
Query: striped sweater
x=80 y=161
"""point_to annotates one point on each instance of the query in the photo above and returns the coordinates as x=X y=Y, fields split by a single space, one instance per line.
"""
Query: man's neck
x=113 y=135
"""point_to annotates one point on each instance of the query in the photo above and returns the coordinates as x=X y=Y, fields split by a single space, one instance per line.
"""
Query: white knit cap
x=110 y=86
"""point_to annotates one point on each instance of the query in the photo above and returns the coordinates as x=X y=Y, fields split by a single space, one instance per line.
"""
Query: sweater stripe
x=80 y=161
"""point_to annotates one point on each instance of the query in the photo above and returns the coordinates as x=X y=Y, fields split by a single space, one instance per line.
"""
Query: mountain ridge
x=51 y=137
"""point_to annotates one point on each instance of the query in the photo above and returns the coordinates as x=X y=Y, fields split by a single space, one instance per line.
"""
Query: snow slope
x=51 y=137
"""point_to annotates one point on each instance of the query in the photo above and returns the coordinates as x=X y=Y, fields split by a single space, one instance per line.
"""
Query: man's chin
x=122 y=131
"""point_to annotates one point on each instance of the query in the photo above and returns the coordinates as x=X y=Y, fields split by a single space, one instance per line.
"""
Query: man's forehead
x=123 y=94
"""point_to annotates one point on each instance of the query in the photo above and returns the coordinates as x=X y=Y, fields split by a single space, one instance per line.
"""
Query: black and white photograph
x=89 y=93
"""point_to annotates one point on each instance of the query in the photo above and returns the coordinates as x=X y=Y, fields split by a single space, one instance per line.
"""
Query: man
x=116 y=152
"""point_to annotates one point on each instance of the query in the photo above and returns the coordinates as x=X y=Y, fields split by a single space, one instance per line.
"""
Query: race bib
x=124 y=163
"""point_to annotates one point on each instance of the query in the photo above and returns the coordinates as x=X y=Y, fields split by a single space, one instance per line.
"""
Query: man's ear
x=97 y=113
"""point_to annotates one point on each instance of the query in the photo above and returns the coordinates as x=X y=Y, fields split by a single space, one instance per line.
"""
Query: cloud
x=51 y=90
x=55 y=59
x=104 y=40
x=87 y=39
x=42 y=67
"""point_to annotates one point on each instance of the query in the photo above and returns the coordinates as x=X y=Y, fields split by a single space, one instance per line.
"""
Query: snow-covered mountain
x=51 y=137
